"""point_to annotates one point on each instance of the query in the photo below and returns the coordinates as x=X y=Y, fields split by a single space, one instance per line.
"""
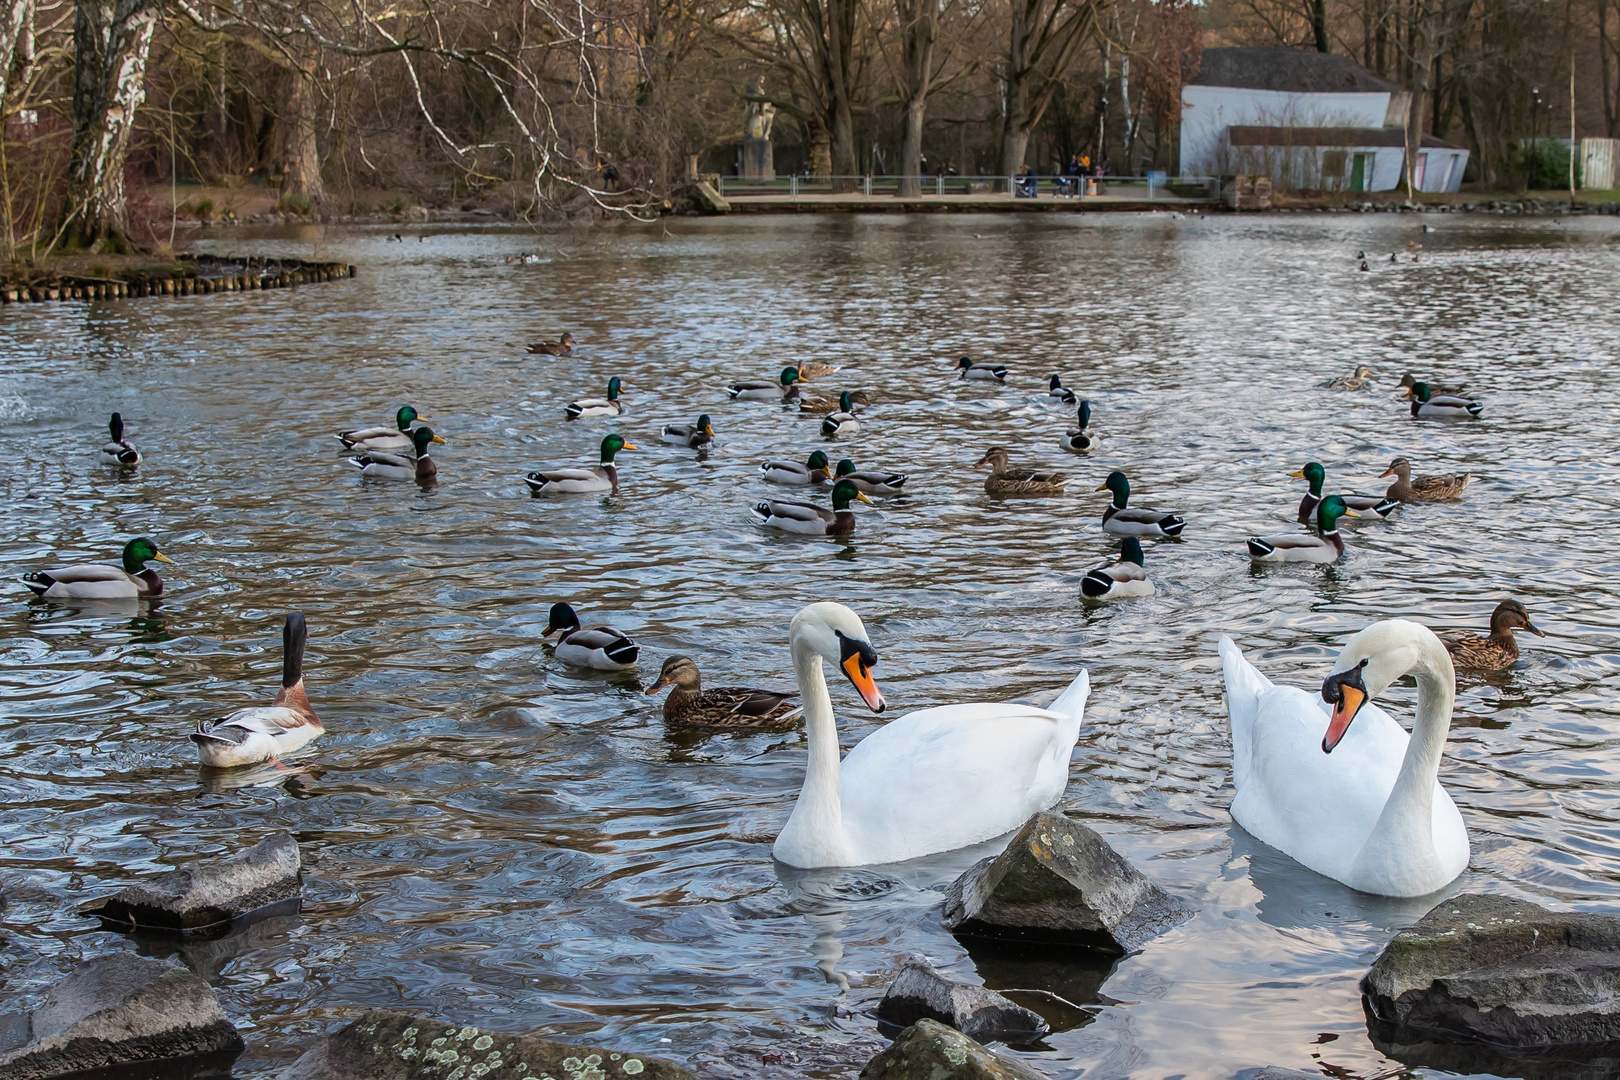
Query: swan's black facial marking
x=1332 y=691
x=1347 y=693
x=857 y=658
x=849 y=647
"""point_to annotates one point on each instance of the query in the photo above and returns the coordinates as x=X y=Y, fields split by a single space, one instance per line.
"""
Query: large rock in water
x=385 y=1045
x=1059 y=883
x=116 y=1010
x=1496 y=970
x=931 y=1051
x=263 y=880
x=920 y=992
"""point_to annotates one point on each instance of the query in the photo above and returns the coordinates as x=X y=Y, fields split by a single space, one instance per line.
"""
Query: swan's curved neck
x=819 y=812
x=1406 y=823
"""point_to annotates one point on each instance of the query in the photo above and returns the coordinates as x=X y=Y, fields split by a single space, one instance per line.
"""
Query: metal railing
x=1151 y=188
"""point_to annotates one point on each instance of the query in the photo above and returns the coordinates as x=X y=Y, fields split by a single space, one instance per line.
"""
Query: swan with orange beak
x=1333 y=781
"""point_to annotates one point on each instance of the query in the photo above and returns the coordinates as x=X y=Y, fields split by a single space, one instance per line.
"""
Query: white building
x=1308 y=120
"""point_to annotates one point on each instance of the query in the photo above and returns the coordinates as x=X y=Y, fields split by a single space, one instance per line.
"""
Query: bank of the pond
x=105 y=277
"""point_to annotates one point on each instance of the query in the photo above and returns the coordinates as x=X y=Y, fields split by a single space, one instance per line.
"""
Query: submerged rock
x=931 y=1051
x=264 y=880
x=384 y=1045
x=116 y=1010
x=1496 y=970
x=920 y=992
x=1059 y=883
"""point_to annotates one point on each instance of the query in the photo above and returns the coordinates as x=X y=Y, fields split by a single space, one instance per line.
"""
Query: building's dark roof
x=1245 y=135
x=1289 y=70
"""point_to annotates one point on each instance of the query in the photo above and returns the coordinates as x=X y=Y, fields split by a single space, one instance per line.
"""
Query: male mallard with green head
x=843 y=420
x=387 y=439
x=1470 y=652
x=608 y=406
x=695 y=435
x=99 y=581
x=785 y=389
x=872 y=482
x=1119 y=580
x=813 y=471
x=1004 y=480
x=573 y=481
x=1406 y=489
x=1314 y=474
x=730 y=708
x=1324 y=546
x=600 y=647
x=972 y=372
x=397 y=467
x=809 y=519
x=1080 y=440
x=119 y=450
x=1122 y=519
x=1428 y=405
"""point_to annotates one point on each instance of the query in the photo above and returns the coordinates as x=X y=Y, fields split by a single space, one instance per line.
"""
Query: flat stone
x=1059 y=883
x=929 y=1050
x=116 y=1010
x=920 y=992
x=264 y=880
x=384 y=1045
x=1277 y=1072
x=1501 y=971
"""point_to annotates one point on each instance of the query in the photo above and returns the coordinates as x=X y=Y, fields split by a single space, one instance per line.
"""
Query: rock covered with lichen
x=385 y=1045
x=931 y=1051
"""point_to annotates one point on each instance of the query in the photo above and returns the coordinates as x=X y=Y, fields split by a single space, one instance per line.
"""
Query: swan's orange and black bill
x=1347 y=694
x=858 y=660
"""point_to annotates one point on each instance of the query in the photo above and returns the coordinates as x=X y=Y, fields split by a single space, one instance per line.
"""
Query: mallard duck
x=1432 y=406
x=608 y=406
x=810 y=519
x=1306 y=547
x=599 y=647
x=811 y=369
x=1059 y=392
x=813 y=471
x=1316 y=476
x=871 y=483
x=730 y=707
x=1470 y=652
x=1408 y=381
x=119 y=450
x=1361 y=380
x=552 y=348
x=249 y=736
x=397 y=466
x=1119 y=580
x=980 y=372
x=1079 y=440
x=1424 y=488
x=388 y=439
x=785 y=389
x=843 y=420
x=569 y=481
x=101 y=581
x=1122 y=520
x=1005 y=481
x=693 y=435
x=848 y=401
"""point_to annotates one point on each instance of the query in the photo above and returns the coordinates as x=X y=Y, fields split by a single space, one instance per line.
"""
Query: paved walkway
x=977 y=203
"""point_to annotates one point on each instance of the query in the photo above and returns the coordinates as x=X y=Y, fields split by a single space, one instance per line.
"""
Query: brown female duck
x=553 y=348
x=1359 y=381
x=730 y=707
x=1470 y=652
x=1005 y=481
x=822 y=406
x=814 y=369
x=1424 y=488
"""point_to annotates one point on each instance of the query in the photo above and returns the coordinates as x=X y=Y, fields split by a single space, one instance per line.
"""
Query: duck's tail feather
x=1259 y=549
x=1095 y=584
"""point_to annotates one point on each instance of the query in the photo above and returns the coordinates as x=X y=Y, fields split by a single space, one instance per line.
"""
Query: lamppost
x=1535 y=113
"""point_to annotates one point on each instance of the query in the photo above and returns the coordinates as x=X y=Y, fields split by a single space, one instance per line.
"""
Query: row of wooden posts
x=108 y=289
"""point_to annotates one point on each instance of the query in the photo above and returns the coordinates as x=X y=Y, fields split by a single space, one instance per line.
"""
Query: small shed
x=1308 y=120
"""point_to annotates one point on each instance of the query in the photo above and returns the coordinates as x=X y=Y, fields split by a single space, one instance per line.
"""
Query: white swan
x=933 y=780
x=1360 y=804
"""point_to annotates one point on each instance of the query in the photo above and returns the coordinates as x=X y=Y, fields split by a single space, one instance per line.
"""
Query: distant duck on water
x=567 y=480
x=1361 y=380
x=849 y=401
x=841 y=421
x=1409 y=381
x=1428 y=405
x=561 y=347
x=250 y=736
x=1119 y=580
x=1080 y=440
x=398 y=467
x=696 y=435
x=388 y=439
x=608 y=406
x=1406 y=489
x=118 y=450
x=600 y=647
x=811 y=369
x=1059 y=392
x=100 y=581
x=785 y=389
x=1122 y=519
x=813 y=471
x=980 y=372
x=1315 y=475
x=1005 y=480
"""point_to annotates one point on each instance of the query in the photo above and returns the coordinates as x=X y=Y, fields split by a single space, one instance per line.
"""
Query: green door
x=1358 y=173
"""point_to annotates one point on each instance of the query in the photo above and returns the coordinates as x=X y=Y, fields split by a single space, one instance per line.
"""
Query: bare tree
x=1043 y=37
x=111 y=41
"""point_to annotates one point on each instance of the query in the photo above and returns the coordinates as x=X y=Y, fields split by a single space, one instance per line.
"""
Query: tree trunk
x=1040 y=43
x=1609 y=92
x=917 y=17
x=297 y=155
x=840 y=50
x=16 y=23
x=111 y=40
x=1426 y=36
x=1319 y=25
x=1015 y=131
x=820 y=147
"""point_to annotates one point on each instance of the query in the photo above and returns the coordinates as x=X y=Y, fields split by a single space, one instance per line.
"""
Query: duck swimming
x=119 y=450
x=844 y=402
x=1079 y=440
x=900 y=793
x=1428 y=405
x=1004 y=480
x=812 y=369
x=694 y=435
x=608 y=406
x=842 y=421
x=1316 y=476
x=1303 y=547
x=1470 y=652
x=813 y=471
x=871 y=483
x=808 y=519
x=1122 y=519
x=567 y=480
x=388 y=439
x=397 y=467
x=1361 y=380
x=981 y=372
x=1121 y=579
x=99 y=581
x=1059 y=392
x=600 y=647
x=1409 y=381
x=1424 y=488
x=729 y=708
x=785 y=389
x=250 y=736
x=562 y=347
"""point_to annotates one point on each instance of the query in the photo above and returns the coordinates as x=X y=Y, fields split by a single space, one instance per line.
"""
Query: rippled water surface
x=496 y=839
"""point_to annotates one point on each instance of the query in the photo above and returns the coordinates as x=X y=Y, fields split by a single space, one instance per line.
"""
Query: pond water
x=495 y=839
